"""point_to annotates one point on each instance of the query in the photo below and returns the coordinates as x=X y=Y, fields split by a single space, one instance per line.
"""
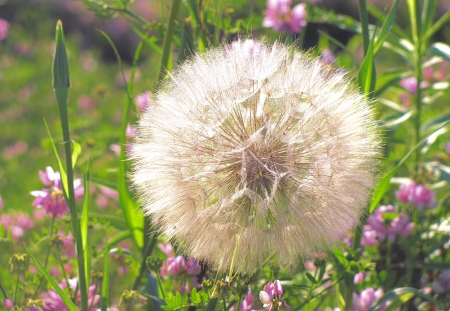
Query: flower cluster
x=280 y=17
x=253 y=149
x=380 y=229
x=271 y=297
x=416 y=194
x=442 y=285
x=185 y=271
x=52 y=198
x=366 y=298
x=17 y=223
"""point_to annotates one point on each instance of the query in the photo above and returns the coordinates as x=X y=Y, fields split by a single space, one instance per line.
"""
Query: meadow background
x=403 y=262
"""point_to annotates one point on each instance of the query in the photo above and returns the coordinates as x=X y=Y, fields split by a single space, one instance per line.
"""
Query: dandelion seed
x=252 y=151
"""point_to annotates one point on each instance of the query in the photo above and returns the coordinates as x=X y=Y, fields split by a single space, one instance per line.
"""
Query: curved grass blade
x=68 y=302
x=405 y=292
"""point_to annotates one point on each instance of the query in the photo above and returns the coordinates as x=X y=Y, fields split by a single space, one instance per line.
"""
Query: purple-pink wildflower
x=359 y=278
x=327 y=56
x=366 y=298
x=271 y=297
x=246 y=304
x=416 y=194
x=17 y=223
x=184 y=271
x=8 y=303
x=380 y=229
x=280 y=17
x=4 y=26
x=410 y=84
x=52 y=198
x=142 y=101
x=53 y=302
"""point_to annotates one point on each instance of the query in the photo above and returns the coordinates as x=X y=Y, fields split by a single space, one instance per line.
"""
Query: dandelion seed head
x=255 y=150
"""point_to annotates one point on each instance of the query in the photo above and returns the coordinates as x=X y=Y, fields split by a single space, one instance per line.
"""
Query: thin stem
x=161 y=288
x=418 y=103
x=3 y=291
x=16 y=292
x=46 y=258
x=62 y=268
x=147 y=251
x=224 y=304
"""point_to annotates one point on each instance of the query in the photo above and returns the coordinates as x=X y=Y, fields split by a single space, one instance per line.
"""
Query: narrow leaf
x=388 y=22
x=85 y=227
x=67 y=301
x=76 y=151
x=441 y=49
x=105 y=283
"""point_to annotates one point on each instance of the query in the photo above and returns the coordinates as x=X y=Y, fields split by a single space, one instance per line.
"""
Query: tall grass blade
x=105 y=282
x=134 y=219
x=61 y=83
x=68 y=302
x=387 y=25
x=85 y=226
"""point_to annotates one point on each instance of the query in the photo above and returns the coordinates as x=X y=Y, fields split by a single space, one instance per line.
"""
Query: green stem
x=47 y=255
x=212 y=304
x=418 y=104
x=62 y=269
x=224 y=304
x=168 y=39
x=147 y=252
x=16 y=292
x=3 y=291
x=161 y=288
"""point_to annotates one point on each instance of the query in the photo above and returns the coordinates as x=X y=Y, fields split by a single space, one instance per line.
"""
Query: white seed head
x=257 y=149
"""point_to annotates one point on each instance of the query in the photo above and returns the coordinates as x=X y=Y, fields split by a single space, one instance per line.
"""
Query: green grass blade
x=134 y=219
x=438 y=25
x=166 y=62
x=68 y=302
x=387 y=25
x=429 y=9
x=76 y=151
x=105 y=282
x=364 y=17
x=366 y=73
x=85 y=227
x=378 y=14
x=149 y=41
x=62 y=172
x=61 y=82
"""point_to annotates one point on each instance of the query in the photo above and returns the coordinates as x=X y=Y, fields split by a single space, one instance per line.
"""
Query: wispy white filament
x=259 y=144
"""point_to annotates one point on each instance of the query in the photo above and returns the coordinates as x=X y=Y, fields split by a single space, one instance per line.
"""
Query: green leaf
x=434 y=123
x=441 y=49
x=85 y=226
x=76 y=151
x=105 y=282
x=67 y=301
x=150 y=42
x=311 y=278
x=438 y=25
x=388 y=22
x=366 y=73
x=377 y=13
x=388 y=79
